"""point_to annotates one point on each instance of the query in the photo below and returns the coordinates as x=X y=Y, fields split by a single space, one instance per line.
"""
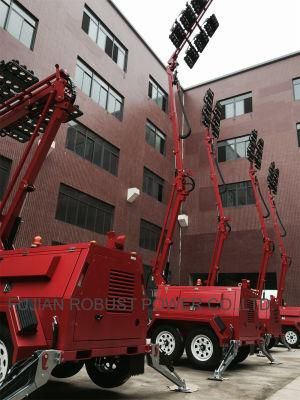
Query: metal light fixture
x=216 y=120
x=191 y=56
x=207 y=107
x=199 y=5
x=211 y=25
x=259 y=153
x=252 y=146
x=188 y=17
x=177 y=35
x=201 y=40
x=273 y=178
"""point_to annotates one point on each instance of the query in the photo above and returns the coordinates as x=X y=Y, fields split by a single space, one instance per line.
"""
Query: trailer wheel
x=203 y=349
x=67 y=369
x=108 y=372
x=243 y=353
x=170 y=342
x=6 y=351
x=292 y=337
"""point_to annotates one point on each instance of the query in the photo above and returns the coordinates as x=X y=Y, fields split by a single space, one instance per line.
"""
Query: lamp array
x=207 y=108
x=273 y=178
x=14 y=78
x=255 y=149
x=188 y=21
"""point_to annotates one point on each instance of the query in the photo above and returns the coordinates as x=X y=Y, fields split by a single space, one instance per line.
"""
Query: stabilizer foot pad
x=190 y=389
x=214 y=378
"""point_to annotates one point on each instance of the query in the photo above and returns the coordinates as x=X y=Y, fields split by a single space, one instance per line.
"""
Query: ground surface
x=252 y=379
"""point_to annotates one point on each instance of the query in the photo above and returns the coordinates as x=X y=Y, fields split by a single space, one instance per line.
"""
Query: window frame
x=67 y=194
x=298 y=132
x=98 y=142
x=230 y=187
x=296 y=82
x=158 y=136
x=235 y=143
x=234 y=100
x=116 y=43
x=22 y=12
x=104 y=86
x=155 y=188
x=154 y=232
x=159 y=91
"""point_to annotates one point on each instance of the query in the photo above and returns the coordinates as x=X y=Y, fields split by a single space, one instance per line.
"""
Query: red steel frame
x=179 y=191
x=268 y=245
x=49 y=90
x=223 y=231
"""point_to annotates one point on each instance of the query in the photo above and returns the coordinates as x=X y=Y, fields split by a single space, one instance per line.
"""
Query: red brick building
x=124 y=141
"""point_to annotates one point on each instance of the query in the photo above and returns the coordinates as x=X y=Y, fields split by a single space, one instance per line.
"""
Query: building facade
x=266 y=98
x=124 y=140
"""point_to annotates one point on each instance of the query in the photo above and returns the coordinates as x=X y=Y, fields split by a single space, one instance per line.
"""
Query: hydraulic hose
x=263 y=201
x=189 y=131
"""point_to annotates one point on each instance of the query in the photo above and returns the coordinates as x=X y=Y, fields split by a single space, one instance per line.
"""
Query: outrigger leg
x=263 y=352
x=227 y=359
x=27 y=376
x=285 y=343
x=155 y=361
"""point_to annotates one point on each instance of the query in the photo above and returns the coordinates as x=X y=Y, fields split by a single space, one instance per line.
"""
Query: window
x=92 y=147
x=149 y=235
x=155 y=138
x=16 y=20
x=80 y=209
x=237 y=194
x=157 y=94
x=5 y=166
x=97 y=89
x=97 y=31
x=236 y=106
x=233 y=149
x=153 y=185
x=296 y=83
x=298 y=133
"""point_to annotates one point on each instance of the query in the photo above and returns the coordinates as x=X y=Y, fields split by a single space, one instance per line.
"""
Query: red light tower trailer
x=206 y=321
x=61 y=307
x=290 y=316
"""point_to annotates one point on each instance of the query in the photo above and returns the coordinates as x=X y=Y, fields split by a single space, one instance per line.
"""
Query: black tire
x=243 y=353
x=170 y=342
x=109 y=372
x=6 y=352
x=203 y=349
x=67 y=369
x=292 y=336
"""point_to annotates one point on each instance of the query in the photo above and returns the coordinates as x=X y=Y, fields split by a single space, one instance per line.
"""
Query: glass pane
x=154 y=93
x=115 y=53
x=106 y=159
x=82 y=213
x=111 y=103
x=78 y=77
x=93 y=28
x=26 y=34
x=241 y=193
x=121 y=59
x=222 y=153
x=250 y=195
x=89 y=149
x=109 y=46
x=157 y=143
x=85 y=22
x=241 y=150
x=101 y=39
x=230 y=152
x=107 y=223
x=23 y=14
x=96 y=91
x=103 y=98
x=118 y=110
x=62 y=205
x=114 y=164
x=297 y=91
x=229 y=110
x=72 y=211
x=14 y=25
x=231 y=200
x=91 y=218
x=160 y=192
x=159 y=99
x=80 y=142
x=3 y=13
x=86 y=84
x=99 y=227
x=98 y=154
x=71 y=135
x=239 y=108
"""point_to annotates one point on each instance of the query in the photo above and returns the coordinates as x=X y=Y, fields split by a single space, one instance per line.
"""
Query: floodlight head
x=188 y=17
x=252 y=146
x=177 y=35
x=211 y=25
x=201 y=40
x=259 y=153
x=216 y=120
x=199 y=5
x=191 y=56
x=207 y=107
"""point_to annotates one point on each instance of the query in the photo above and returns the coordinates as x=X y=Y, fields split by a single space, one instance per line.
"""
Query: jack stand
x=27 y=376
x=168 y=371
x=285 y=343
x=263 y=352
x=227 y=359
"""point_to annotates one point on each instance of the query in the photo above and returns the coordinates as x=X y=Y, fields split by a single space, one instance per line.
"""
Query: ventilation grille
x=251 y=309
x=120 y=297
